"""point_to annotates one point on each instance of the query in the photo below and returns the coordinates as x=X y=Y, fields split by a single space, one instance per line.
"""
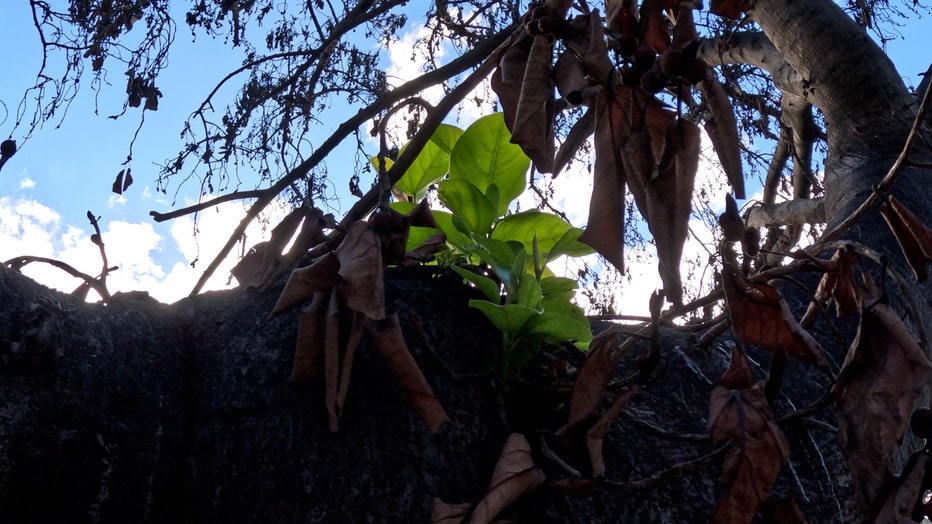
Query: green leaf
x=508 y=318
x=468 y=202
x=557 y=328
x=570 y=245
x=431 y=164
x=484 y=156
x=550 y=285
x=528 y=293
x=500 y=256
x=486 y=285
x=523 y=227
x=446 y=136
x=454 y=237
x=375 y=163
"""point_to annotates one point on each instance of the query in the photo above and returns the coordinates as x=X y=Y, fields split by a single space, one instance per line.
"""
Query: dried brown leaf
x=730 y=221
x=605 y=229
x=739 y=374
x=598 y=430
x=515 y=474
x=303 y=283
x=761 y=317
x=310 y=347
x=722 y=128
x=914 y=237
x=684 y=29
x=752 y=465
x=570 y=77
x=589 y=389
x=445 y=513
x=907 y=493
x=837 y=283
x=578 y=135
x=533 y=123
x=653 y=25
x=622 y=16
x=361 y=273
x=349 y=352
x=332 y=360
x=884 y=372
x=390 y=344
x=508 y=77
x=732 y=9
x=425 y=252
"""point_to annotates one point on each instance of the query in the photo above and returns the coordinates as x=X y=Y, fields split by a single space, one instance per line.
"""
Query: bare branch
x=791 y=213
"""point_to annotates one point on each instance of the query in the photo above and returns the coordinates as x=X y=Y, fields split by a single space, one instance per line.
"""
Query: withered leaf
x=361 y=273
x=390 y=344
x=304 y=282
x=722 y=128
x=900 y=505
x=732 y=9
x=589 y=389
x=730 y=221
x=266 y=262
x=123 y=180
x=605 y=229
x=837 y=283
x=570 y=77
x=508 y=77
x=653 y=25
x=425 y=252
x=579 y=133
x=349 y=352
x=310 y=347
x=332 y=360
x=597 y=432
x=533 y=123
x=914 y=237
x=884 y=372
x=622 y=16
x=445 y=513
x=752 y=465
x=739 y=374
x=515 y=474
x=761 y=317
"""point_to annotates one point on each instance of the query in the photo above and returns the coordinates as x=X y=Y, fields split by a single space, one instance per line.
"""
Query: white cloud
x=28 y=227
x=27 y=183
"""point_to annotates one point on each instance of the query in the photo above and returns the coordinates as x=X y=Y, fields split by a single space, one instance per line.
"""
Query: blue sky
x=61 y=173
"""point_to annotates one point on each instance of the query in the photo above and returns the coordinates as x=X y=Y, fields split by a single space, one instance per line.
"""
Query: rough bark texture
x=141 y=412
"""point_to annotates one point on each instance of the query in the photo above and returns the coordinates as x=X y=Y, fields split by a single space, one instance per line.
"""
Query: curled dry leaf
x=901 y=504
x=732 y=9
x=722 y=128
x=392 y=229
x=533 y=122
x=914 y=237
x=310 y=347
x=739 y=374
x=653 y=25
x=263 y=258
x=390 y=344
x=515 y=474
x=598 y=430
x=303 y=283
x=730 y=221
x=752 y=465
x=605 y=229
x=883 y=374
x=578 y=135
x=761 y=317
x=508 y=78
x=425 y=252
x=589 y=389
x=837 y=283
x=445 y=513
x=361 y=272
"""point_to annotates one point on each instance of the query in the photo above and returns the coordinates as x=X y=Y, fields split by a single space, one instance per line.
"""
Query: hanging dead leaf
x=332 y=360
x=570 y=77
x=349 y=353
x=515 y=475
x=837 y=283
x=578 y=135
x=361 y=272
x=622 y=16
x=598 y=430
x=752 y=465
x=722 y=128
x=684 y=29
x=508 y=78
x=605 y=229
x=884 y=372
x=589 y=389
x=533 y=123
x=761 y=317
x=304 y=282
x=661 y=159
x=900 y=506
x=390 y=344
x=266 y=263
x=914 y=237
x=739 y=374
x=432 y=245
x=445 y=513
x=730 y=221
x=123 y=180
x=653 y=25
x=732 y=9
x=310 y=347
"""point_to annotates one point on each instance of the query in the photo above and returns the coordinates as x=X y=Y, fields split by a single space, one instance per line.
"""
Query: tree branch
x=791 y=213
x=755 y=49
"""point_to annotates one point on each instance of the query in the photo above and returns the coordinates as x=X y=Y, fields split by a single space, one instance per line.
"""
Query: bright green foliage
x=487 y=172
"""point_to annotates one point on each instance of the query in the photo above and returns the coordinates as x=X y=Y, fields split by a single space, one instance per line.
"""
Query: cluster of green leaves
x=480 y=173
